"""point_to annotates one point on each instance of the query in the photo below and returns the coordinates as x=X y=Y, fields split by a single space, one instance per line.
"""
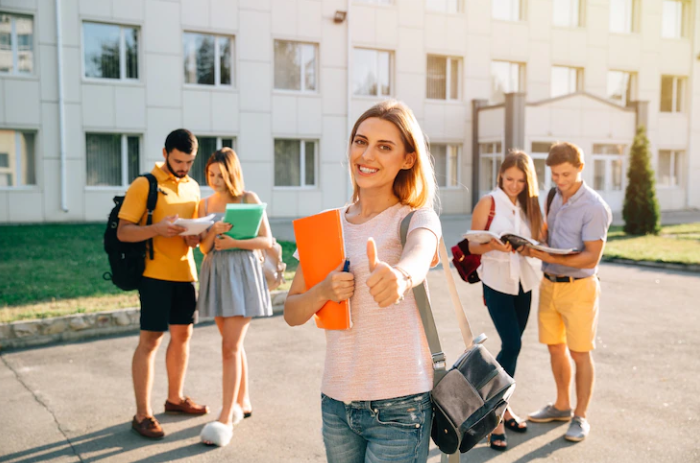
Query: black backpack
x=127 y=261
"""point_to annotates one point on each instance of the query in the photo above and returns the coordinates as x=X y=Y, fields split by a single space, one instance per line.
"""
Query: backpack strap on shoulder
x=150 y=207
x=492 y=213
x=550 y=198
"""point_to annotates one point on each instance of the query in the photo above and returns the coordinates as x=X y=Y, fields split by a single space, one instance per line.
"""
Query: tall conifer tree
x=641 y=208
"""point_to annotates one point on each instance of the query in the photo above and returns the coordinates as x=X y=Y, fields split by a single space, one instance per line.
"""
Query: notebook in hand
x=321 y=249
x=245 y=218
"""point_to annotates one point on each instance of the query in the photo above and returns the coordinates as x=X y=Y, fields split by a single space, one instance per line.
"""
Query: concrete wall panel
x=255 y=142
x=255 y=86
x=309 y=116
x=98 y=106
x=23 y=206
x=164 y=81
x=225 y=110
x=196 y=110
x=22 y=102
x=130 y=107
x=131 y=10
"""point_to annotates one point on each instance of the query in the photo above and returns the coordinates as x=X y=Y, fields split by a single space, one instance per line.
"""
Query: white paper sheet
x=195 y=226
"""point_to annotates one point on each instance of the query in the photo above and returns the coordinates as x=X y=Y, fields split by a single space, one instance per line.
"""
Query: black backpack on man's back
x=127 y=261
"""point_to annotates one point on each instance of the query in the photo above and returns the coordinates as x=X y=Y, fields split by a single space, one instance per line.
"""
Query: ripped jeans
x=396 y=430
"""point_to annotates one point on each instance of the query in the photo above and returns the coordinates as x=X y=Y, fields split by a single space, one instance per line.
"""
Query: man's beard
x=173 y=171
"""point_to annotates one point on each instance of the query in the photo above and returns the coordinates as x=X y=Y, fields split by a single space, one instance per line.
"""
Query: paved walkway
x=73 y=402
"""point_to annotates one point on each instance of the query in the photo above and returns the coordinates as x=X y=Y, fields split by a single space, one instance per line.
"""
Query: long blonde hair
x=230 y=170
x=415 y=187
x=529 y=197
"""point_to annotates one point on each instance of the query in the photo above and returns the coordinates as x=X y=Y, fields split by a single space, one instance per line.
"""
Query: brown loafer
x=186 y=406
x=148 y=427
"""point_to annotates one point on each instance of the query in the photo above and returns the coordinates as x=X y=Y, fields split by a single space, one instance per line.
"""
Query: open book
x=515 y=240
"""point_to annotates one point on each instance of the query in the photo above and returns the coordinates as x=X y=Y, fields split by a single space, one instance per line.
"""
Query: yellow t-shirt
x=172 y=258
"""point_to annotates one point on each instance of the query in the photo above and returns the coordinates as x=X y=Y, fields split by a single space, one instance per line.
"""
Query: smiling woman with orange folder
x=378 y=373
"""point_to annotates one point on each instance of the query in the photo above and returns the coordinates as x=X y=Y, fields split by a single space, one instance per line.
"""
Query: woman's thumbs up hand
x=386 y=284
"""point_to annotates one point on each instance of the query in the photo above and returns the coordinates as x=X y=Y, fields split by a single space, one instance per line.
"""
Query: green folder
x=245 y=218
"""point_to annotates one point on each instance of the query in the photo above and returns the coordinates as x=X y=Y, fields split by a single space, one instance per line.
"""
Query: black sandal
x=514 y=425
x=498 y=438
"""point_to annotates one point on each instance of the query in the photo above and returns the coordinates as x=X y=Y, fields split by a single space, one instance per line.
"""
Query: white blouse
x=503 y=271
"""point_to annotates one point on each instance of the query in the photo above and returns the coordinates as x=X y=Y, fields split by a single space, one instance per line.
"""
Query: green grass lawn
x=56 y=269
x=675 y=244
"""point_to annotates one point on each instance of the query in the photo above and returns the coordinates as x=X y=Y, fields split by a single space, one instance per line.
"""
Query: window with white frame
x=672 y=94
x=623 y=15
x=17 y=158
x=111 y=51
x=443 y=76
x=539 y=152
x=445 y=6
x=608 y=160
x=295 y=163
x=507 y=10
x=675 y=19
x=295 y=66
x=371 y=72
x=207 y=146
x=491 y=157
x=566 y=80
x=506 y=77
x=567 y=13
x=670 y=166
x=622 y=87
x=112 y=159
x=208 y=59
x=16 y=44
x=446 y=158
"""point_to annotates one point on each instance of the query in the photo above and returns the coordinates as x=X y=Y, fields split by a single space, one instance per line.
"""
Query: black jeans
x=509 y=314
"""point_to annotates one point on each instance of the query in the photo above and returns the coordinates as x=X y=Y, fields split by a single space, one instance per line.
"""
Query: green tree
x=641 y=208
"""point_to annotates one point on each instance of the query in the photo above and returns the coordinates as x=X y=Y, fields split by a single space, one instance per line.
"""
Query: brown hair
x=230 y=170
x=529 y=197
x=416 y=186
x=562 y=152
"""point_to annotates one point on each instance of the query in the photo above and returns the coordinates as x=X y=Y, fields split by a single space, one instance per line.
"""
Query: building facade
x=89 y=93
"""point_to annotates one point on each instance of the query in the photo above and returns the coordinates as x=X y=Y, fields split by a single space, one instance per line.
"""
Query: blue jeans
x=396 y=430
x=509 y=314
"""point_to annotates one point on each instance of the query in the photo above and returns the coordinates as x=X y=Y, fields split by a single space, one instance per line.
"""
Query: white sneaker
x=216 y=433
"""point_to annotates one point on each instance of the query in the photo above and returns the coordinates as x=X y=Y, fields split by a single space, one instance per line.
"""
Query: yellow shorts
x=568 y=313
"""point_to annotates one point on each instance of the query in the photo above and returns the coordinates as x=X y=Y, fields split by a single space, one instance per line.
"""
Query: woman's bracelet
x=408 y=278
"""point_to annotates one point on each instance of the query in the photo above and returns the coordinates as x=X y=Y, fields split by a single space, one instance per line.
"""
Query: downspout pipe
x=349 y=93
x=61 y=108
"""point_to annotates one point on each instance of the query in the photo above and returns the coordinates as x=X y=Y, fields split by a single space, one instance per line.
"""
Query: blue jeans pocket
x=404 y=412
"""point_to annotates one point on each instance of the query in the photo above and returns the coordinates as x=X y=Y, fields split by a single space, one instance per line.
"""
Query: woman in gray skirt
x=232 y=288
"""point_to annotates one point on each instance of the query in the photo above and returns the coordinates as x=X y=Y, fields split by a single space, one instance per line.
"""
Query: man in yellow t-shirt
x=166 y=291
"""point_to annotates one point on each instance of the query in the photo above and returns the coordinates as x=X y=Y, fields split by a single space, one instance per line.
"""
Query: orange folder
x=321 y=249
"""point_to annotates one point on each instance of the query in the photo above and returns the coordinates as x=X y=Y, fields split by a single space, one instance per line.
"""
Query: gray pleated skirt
x=232 y=284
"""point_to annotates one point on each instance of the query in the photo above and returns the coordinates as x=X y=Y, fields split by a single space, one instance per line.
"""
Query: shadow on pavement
x=483 y=453
x=114 y=440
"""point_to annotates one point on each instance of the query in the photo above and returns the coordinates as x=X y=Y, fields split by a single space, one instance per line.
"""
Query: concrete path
x=74 y=402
